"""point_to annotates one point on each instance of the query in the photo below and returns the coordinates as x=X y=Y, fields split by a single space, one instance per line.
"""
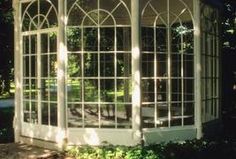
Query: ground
x=23 y=151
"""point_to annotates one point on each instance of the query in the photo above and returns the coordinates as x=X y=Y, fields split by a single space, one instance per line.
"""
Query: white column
x=136 y=70
x=61 y=136
x=17 y=67
x=197 y=68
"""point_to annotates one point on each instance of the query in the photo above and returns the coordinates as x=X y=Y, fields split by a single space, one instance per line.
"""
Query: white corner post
x=61 y=57
x=197 y=68
x=17 y=69
x=136 y=71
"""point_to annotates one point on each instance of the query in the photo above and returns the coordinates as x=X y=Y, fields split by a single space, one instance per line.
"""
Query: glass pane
x=26 y=66
x=161 y=65
x=45 y=89
x=148 y=90
x=148 y=65
x=90 y=37
x=176 y=114
x=123 y=91
x=33 y=66
x=53 y=65
x=188 y=113
x=108 y=116
x=74 y=115
x=107 y=39
x=188 y=90
x=34 y=89
x=90 y=65
x=53 y=114
x=44 y=65
x=52 y=85
x=26 y=89
x=91 y=115
x=53 y=42
x=148 y=113
x=162 y=115
x=161 y=41
x=45 y=113
x=123 y=39
x=162 y=91
x=107 y=90
x=33 y=44
x=74 y=39
x=107 y=65
x=26 y=45
x=176 y=90
x=26 y=107
x=44 y=43
x=124 y=113
x=176 y=65
x=74 y=90
x=147 y=39
x=74 y=65
x=91 y=90
x=188 y=66
x=124 y=65
x=34 y=112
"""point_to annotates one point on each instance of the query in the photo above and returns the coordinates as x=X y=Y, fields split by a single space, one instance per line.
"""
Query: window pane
x=162 y=114
x=176 y=114
x=124 y=65
x=90 y=39
x=147 y=39
x=107 y=39
x=148 y=90
x=107 y=65
x=188 y=113
x=91 y=115
x=124 y=115
x=74 y=65
x=74 y=115
x=74 y=39
x=162 y=91
x=108 y=116
x=74 y=90
x=123 y=91
x=107 y=90
x=176 y=85
x=161 y=65
x=148 y=65
x=90 y=65
x=148 y=113
x=91 y=90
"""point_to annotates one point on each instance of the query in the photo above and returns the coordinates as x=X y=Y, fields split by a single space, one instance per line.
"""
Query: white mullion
x=82 y=74
x=155 y=75
x=38 y=54
x=30 y=78
x=115 y=69
x=182 y=79
x=38 y=15
x=48 y=78
x=169 y=62
x=99 y=69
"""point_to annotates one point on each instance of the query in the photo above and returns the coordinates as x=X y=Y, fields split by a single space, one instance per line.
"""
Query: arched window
x=167 y=64
x=39 y=40
x=99 y=64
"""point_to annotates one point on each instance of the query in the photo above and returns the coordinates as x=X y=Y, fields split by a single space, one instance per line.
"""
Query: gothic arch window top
x=39 y=14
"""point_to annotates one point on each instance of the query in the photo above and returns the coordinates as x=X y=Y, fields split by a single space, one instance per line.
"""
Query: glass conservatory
x=117 y=71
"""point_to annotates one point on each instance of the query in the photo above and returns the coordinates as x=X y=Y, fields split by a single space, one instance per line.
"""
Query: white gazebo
x=117 y=71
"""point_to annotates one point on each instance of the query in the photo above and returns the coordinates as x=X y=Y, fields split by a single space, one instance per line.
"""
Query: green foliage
x=191 y=149
x=6 y=129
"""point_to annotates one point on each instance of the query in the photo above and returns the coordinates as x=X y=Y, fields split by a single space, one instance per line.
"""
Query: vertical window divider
x=155 y=74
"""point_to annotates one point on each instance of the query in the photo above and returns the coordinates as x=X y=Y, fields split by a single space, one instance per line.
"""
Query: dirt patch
x=23 y=151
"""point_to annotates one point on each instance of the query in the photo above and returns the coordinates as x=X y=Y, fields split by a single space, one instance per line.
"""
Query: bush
x=191 y=149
